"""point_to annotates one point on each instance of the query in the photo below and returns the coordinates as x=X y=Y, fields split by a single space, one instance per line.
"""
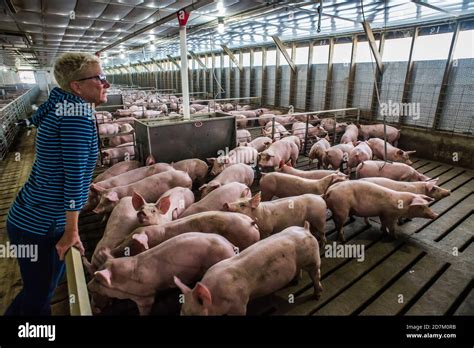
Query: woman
x=46 y=211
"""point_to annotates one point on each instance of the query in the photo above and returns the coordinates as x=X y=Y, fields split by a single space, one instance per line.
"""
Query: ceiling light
x=152 y=47
x=122 y=55
x=220 y=25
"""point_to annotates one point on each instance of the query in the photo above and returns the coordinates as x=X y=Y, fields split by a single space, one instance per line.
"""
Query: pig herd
x=196 y=226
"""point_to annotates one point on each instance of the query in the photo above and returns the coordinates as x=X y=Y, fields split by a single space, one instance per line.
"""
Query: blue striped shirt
x=66 y=154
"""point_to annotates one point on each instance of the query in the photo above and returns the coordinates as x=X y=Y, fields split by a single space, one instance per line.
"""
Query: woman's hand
x=69 y=239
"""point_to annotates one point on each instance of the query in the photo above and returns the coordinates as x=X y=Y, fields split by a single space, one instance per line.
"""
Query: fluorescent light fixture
x=152 y=47
x=220 y=25
x=122 y=55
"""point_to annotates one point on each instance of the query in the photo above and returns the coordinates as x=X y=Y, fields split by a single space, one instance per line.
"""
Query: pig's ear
x=418 y=200
x=306 y=225
x=184 y=289
x=226 y=206
x=245 y=193
x=104 y=276
x=226 y=160
x=96 y=188
x=255 y=201
x=164 y=204
x=201 y=292
x=400 y=152
x=430 y=184
x=137 y=201
x=202 y=187
x=112 y=196
x=427 y=198
x=410 y=152
x=211 y=160
x=150 y=160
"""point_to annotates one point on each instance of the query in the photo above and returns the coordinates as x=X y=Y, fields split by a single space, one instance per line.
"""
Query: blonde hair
x=70 y=66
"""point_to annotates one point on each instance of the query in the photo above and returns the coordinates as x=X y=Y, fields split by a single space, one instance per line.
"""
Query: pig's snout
x=141 y=216
x=432 y=214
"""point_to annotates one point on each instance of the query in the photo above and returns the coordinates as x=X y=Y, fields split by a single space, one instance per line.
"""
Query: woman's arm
x=71 y=235
x=76 y=133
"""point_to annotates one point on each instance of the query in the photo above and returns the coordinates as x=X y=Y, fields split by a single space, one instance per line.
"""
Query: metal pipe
x=184 y=71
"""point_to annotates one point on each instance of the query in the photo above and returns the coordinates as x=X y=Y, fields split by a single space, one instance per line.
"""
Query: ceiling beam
x=282 y=49
x=232 y=57
x=373 y=45
x=173 y=61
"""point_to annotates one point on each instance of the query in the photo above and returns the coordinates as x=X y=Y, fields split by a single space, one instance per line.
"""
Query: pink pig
x=285 y=185
x=239 y=229
x=277 y=152
x=139 y=277
x=238 y=172
x=395 y=171
x=263 y=268
x=366 y=199
x=196 y=168
x=377 y=131
x=216 y=199
x=170 y=205
x=362 y=152
x=306 y=174
x=428 y=188
x=393 y=154
x=151 y=188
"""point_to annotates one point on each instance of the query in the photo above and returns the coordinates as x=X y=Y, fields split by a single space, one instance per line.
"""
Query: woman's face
x=91 y=88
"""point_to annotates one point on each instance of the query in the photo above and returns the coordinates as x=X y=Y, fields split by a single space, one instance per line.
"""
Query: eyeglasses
x=102 y=78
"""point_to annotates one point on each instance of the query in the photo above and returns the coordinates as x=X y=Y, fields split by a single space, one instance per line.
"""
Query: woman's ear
x=75 y=87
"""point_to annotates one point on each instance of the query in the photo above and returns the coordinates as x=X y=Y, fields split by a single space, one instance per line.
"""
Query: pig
x=241 y=121
x=139 y=277
x=117 y=169
x=238 y=229
x=153 y=113
x=338 y=154
x=109 y=128
x=285 y=120
x=350 y=135
x=260 y=143
x=277 y=152
x=120 y=139
x=365 y=199
x=123 y=113
x=395 y=171
x=121 y=223
x=280 y=130
x=263 y=268
x=238 y=172
x=377 y=131
x=103 y=116
x=294 y=139
x=196 y=168
x=286 y=185
x=123 y=152
x=393 y=154
x=427 y=188
x=362 y=152
x=306 y=174
x=243 y=135
x=216 y=199
x=123 y=179
x=274 y=216
x=151 y=188
x=318 y=152
x=246 y=113
x=127 y=120
x=263 y=119
x=125 y=128
x=299 y=130
x=302 y=118
x=241 y=154
x=170 y=205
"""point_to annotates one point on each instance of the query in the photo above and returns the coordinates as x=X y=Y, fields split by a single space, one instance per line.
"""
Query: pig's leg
x=319 y=232
x=297 y=278
x=294 y=158
x=314 y=273
x=339 y=220
x=391 y=225
x=383 y=224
